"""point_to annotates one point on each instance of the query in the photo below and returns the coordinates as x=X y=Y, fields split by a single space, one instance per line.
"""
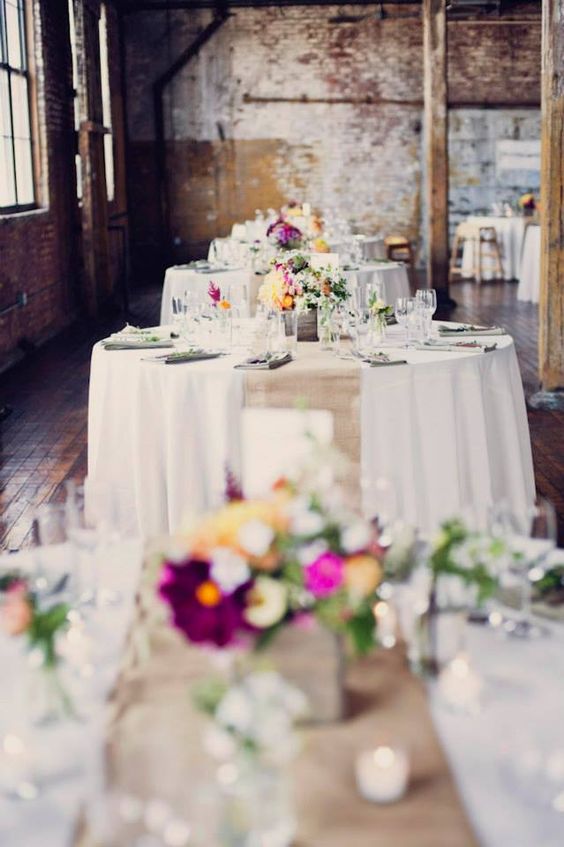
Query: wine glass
x=531 y=536
x=404 y=310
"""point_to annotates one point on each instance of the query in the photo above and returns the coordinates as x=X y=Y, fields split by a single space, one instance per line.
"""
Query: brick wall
x=40 y=250
x=282 y=103
x=37 y=248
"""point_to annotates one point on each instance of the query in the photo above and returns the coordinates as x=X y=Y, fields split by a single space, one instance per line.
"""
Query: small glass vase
x=47 y=698
x=440 y=637
x=377 y=331
x=256 y=803
x=327 y=330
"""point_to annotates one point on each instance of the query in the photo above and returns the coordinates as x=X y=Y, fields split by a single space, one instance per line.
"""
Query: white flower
x=235 y=711
x=228 y=569
x=310 y=552
x=356 y=536
x=268 y=602
x=255 y=537
x=265 y=685
x=303 y=521
x=219 y=743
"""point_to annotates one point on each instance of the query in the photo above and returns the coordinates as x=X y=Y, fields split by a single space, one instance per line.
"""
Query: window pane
x=5 y=123
x=7 y=187
x=20 y=106
x=15 y=57
x=24 y=170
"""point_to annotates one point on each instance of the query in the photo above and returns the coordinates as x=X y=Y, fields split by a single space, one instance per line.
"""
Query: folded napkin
x=265 y=363
x=379 y=360
x=456 y=347
x=142 y=344
x=470 y=329
x=180 y=356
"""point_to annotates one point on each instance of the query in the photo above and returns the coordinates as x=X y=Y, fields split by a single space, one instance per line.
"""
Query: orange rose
x=363 y=574
x=288 y=301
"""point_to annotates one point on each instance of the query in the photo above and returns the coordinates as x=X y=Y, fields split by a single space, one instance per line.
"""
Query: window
x=106 y=104
x=17 y=191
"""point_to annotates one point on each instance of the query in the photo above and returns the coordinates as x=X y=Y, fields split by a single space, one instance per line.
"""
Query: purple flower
x=325 y=574
x=199 y=608
x=214 y=292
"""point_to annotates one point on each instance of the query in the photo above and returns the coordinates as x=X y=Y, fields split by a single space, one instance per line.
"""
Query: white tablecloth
x=372 y=246
x=448 y=429
x=529 y=278
x=179 y=280
x=520 y=718
x=510 y=234
x=64 y=751
x=393 y=277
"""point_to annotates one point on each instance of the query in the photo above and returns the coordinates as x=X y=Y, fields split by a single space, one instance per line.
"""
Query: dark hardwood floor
x=44 y=439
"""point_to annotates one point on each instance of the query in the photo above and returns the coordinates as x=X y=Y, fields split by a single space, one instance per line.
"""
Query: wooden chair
x=482 y=238
x=399 y=249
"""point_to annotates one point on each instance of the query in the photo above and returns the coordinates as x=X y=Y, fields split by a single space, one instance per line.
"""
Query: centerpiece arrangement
x=294 y=284
x=284 y=235
x=293 y=561
x=527 y=203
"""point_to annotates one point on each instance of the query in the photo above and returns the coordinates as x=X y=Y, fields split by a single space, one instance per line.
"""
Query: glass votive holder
x=382 y=774
x=459 y=686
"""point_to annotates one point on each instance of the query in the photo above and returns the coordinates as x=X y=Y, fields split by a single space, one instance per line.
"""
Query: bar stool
x=480 y=238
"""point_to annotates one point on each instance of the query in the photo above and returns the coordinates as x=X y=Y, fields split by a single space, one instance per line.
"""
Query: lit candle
x=460 y=686
x=382 y=774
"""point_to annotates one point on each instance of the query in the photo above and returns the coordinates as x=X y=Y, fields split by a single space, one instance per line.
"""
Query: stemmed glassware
x=531 y=536
x=427 y=300
x=405 y=312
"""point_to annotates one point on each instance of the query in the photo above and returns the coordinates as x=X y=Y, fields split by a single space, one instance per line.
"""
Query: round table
x=510 y=234
x=392 y=275
x=181 y=280
x=449 y=430
x=529 y=277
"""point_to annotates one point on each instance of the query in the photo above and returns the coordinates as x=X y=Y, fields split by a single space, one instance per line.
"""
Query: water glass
x=427 y=297
x=405 y=312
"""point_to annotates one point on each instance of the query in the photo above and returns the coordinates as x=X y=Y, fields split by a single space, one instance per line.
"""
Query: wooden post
x=95 y=248
x=436 y=144
x=551 y=305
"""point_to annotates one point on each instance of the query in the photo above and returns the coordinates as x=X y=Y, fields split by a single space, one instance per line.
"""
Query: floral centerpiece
x=284 y=235
x=527 y=203
x=379 y=311
x=256 y=566
x=218 y=301
x=25 y=614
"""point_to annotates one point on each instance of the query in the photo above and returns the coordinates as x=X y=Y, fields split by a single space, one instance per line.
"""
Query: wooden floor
x=44 y=439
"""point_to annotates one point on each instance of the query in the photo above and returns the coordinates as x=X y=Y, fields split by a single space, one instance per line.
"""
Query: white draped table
x=529 y=277
x=448 y=429
x=510 y=234
x=181 y=280
x=392 y=275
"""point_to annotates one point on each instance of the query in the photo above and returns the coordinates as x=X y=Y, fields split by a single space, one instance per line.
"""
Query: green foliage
x=44 y=627
x=453 y=534
x=208 y=694
x=361 y=630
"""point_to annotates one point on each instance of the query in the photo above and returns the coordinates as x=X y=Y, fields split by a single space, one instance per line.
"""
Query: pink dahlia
x=324 y=575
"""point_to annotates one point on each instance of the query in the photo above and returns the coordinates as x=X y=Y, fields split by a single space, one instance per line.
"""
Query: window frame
x=24 y=31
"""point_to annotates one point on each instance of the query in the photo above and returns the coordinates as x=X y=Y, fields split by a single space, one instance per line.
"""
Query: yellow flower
x=224 y=304
x=273 y=290
x=221 y=529
x=267 y=602
x=288 y=302
x=208 y=594
x=319 y=245
x=363 y=574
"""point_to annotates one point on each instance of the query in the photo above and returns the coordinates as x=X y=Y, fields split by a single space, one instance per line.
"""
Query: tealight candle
x=382 y=774
x=460 y=686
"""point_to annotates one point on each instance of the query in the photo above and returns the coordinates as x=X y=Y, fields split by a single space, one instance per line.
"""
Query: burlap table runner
x=156 y=751
x=323 y=381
